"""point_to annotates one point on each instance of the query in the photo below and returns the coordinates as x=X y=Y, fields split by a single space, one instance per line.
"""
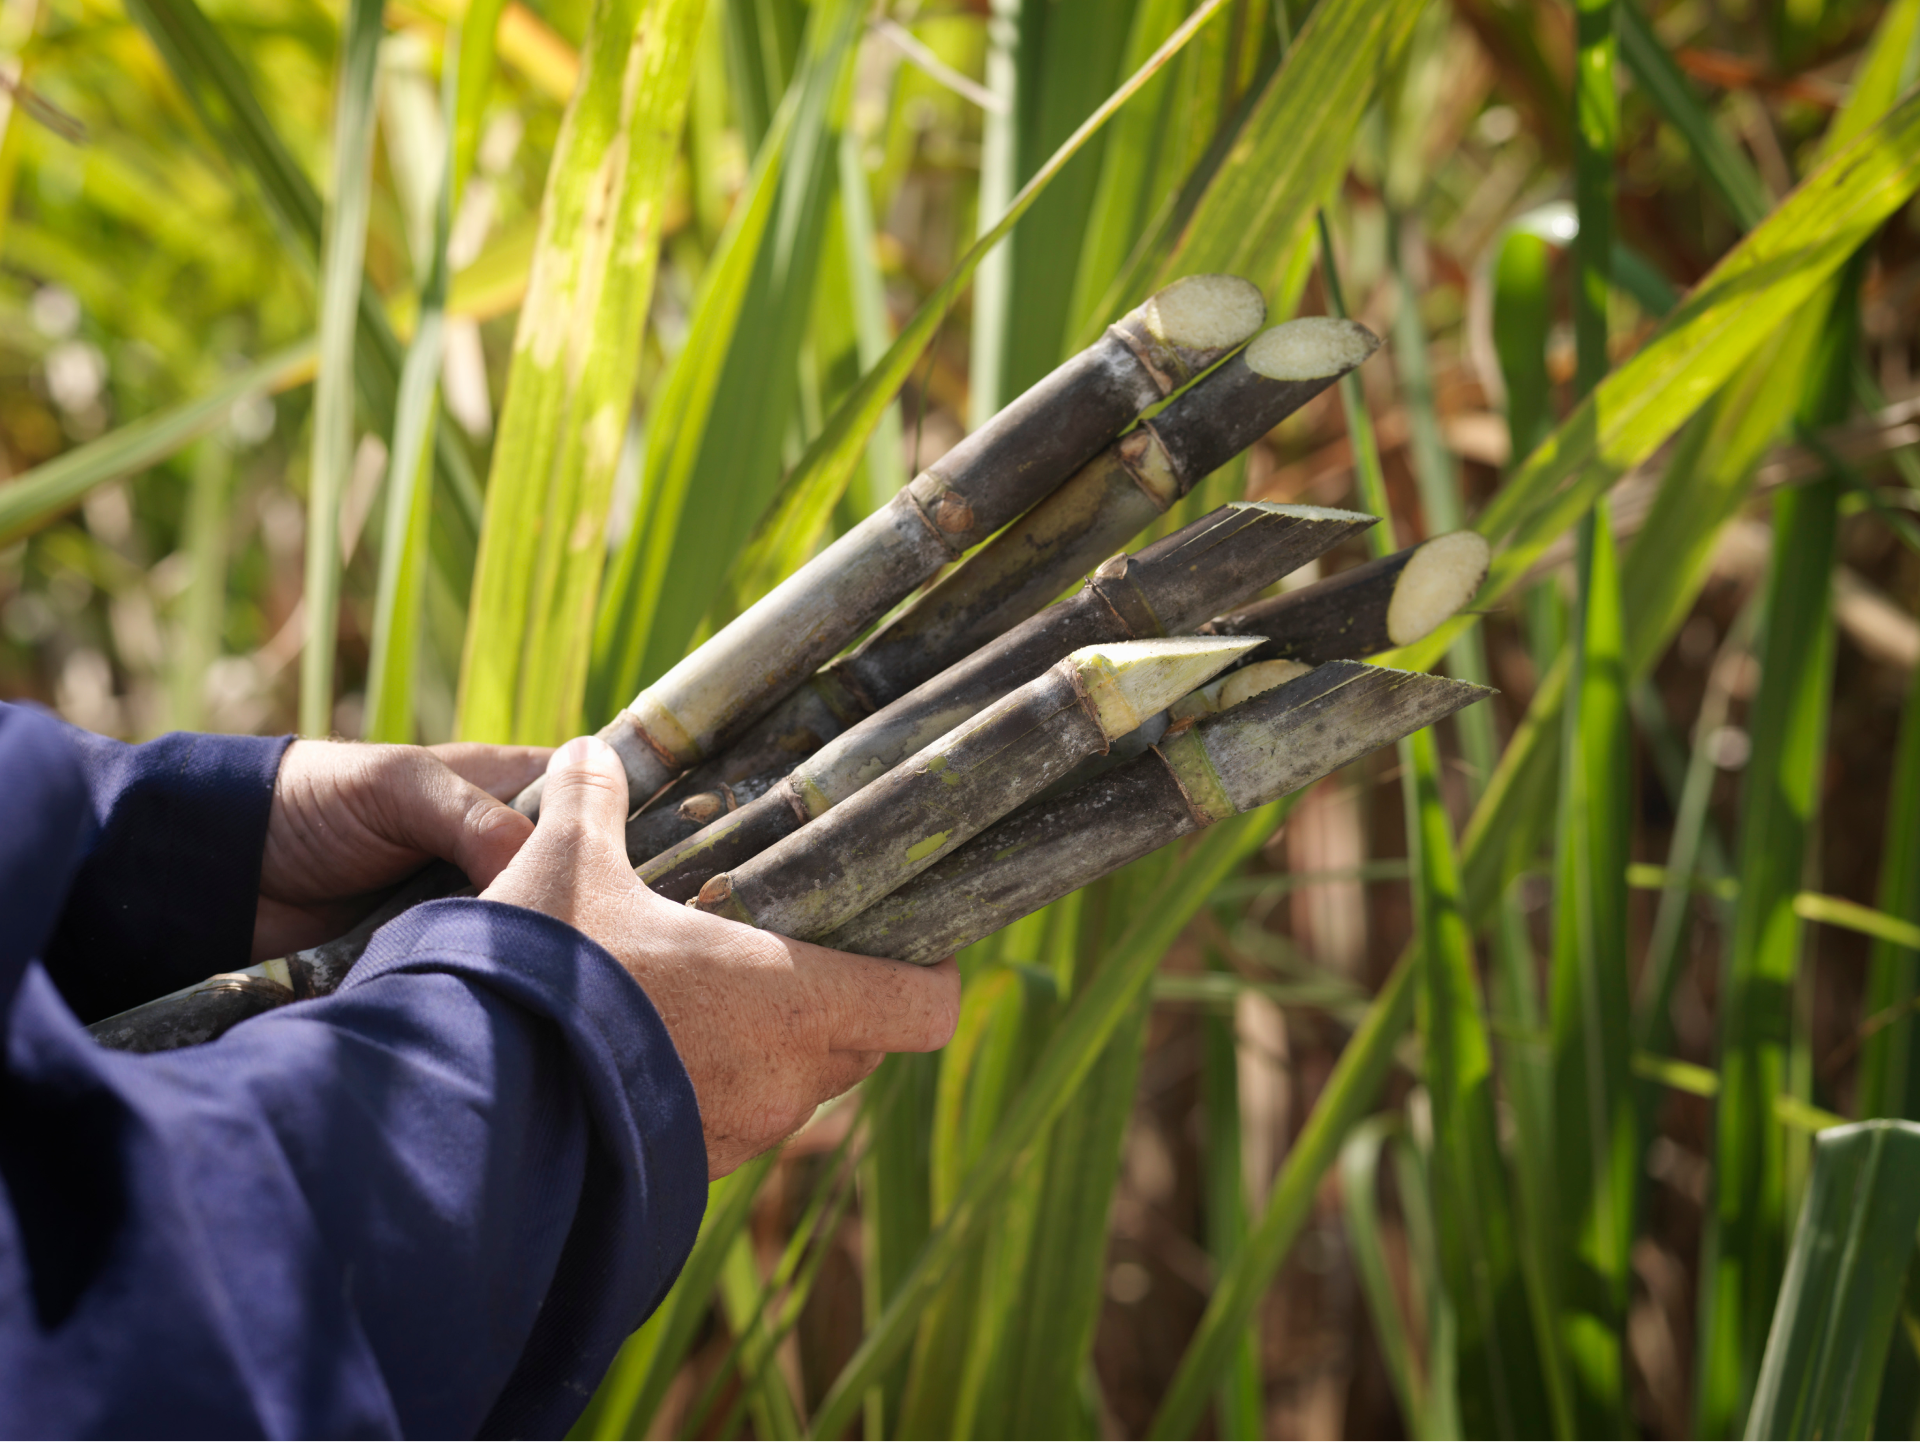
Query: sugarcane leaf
x=1360 y=1203
x=742 y=1295
x=1762 y=1050
x=1156 y=142
x=815 y=484
x=1718 y=160
x=399 y=611
x=1349 y=1094
x=1255 y=214
x=1068 y=56
x=1070 y=1053
x=896 y=1211
x=216 y=84
x=1595 y=1147
x=715 y=437
x=955 y=1356
x=1730 y=314
x=1889 y=1081
x=524 y=671
x=37 y=497
x=1225 y=1185
x=1502 y=1389
x=1049 y=1328
x=343 y=246
x=1841 y=1294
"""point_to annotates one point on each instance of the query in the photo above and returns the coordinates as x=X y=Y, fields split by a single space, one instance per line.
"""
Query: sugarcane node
x=705 y=806
x=1130 y=608
x=1143 y=456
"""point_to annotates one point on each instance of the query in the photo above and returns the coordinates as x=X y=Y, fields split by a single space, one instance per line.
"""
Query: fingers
x=882 y=1006
x=500 y=771
x=443 y=814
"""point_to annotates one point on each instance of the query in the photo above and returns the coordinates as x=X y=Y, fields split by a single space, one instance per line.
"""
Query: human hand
x=767 y=1028
x=349 y=820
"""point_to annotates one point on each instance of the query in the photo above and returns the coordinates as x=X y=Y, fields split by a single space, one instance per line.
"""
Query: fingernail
x=576 y=751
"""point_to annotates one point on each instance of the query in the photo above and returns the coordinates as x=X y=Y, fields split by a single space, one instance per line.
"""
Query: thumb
x=586 y=794
x=578 y=848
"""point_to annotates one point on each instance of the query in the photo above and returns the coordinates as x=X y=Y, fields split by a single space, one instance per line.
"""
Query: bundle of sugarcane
x=1167 y=589
x=883 y=703
x=992 y=476
x=1080 y=524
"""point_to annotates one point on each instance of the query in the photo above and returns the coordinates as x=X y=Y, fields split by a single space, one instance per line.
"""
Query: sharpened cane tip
x=1310 y=349
x=1440 y=578
x=1128 y=681
x=1206 y=312
x=1257 y=679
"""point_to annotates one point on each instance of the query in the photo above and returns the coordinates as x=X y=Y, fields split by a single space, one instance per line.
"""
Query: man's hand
x=349 y=820
x=767 y=1028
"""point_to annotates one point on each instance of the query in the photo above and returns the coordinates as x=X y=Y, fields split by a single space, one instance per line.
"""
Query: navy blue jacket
x=433 y=1203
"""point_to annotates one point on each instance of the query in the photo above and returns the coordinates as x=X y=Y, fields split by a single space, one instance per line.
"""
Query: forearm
x=434 y=1203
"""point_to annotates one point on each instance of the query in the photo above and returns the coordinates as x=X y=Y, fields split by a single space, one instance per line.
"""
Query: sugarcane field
x=960 y=718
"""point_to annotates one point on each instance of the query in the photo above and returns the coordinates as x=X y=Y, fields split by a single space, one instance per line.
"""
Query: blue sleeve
x=433 y=1203
x=169 y=878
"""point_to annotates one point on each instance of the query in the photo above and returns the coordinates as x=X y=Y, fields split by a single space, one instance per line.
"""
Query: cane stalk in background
x=1593 y=1137
x=1756 y=1180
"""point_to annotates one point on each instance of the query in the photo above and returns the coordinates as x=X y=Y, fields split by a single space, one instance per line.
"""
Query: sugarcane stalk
x=1085 y=520
x=1228 y=762
x=1391 y=601
x=964 y=781
x=1165 y=589
x=991 y=477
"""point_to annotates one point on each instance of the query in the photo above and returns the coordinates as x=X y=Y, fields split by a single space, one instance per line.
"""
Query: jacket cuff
x=637 y=1089
x=170 y=883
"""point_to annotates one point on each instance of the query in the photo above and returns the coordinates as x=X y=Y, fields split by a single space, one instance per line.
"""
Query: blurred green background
x=420 y=370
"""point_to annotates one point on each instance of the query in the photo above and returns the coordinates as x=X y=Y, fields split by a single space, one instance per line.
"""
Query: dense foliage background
x=423 y=370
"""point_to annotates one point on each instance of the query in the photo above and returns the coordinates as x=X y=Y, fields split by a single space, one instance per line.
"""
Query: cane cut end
x=1440 y=578
x=1257 y=680
x=1310 y=349
x=1210 y=314
x=1130 y=681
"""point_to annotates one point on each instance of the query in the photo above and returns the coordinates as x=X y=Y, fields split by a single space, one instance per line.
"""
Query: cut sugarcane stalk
x=1225 y=763
x=991 y=477
x=1087 y=519
x=941 y=797
x=1393 y=601
x=1165 y=589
